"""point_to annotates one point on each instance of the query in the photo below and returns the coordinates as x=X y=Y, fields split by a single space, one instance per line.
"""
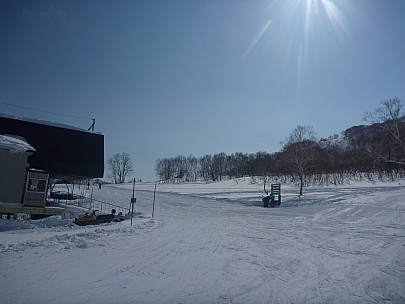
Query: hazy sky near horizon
x=164 y=78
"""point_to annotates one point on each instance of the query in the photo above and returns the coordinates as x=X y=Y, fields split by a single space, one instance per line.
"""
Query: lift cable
x=53 y=113
x=32 y=109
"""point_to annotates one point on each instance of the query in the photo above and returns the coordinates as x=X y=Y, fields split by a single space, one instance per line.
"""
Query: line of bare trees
x=297 y=160
x=378 y=147
x=212 y=167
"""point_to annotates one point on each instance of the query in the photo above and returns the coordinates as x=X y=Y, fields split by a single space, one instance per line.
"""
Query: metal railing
x=89 y=204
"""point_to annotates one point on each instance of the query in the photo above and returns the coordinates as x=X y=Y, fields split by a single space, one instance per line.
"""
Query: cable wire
x=32 y=109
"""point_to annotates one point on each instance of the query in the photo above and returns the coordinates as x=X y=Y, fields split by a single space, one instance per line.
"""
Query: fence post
x=133 y=201
x=154 y=197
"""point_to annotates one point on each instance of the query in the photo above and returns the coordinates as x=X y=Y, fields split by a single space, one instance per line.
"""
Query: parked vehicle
x=95 y=219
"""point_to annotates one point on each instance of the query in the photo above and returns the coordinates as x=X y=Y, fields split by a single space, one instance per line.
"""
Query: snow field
x=333 y=245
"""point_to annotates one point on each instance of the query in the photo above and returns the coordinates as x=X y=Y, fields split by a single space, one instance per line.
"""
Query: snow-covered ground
x=214 y=243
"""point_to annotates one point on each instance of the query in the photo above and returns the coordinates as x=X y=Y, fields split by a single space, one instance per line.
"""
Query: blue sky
x=164 y=78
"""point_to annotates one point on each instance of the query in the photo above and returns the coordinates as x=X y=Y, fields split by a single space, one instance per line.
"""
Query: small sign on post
x=276 y=194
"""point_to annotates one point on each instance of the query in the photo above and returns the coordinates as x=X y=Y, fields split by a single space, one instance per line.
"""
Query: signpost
x=276 y=194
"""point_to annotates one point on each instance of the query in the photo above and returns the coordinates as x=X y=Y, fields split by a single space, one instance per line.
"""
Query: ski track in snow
x=333 y=245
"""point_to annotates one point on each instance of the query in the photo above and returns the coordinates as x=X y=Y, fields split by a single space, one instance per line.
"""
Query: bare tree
x=298 y=151
x=192 y=168
x=392 y=121
x=120 y=166
x=206 y=166
x=218 y=165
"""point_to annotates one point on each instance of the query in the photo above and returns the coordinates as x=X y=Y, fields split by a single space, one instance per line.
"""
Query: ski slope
x=214 y=243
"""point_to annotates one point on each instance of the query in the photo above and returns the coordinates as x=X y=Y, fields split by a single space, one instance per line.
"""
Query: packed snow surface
x=214 y=243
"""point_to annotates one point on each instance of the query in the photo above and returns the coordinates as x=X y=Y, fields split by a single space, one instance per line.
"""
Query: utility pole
x=154 y=196
x=133 y=201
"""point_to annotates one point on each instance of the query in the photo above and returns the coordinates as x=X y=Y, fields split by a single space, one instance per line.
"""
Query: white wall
x=12 y=175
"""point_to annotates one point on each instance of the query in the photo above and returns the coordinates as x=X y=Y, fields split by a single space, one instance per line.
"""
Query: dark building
x=61 y=150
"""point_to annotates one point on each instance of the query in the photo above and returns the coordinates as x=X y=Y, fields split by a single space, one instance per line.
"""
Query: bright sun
x=297 y=28
x=317 y=8
x=309 y=15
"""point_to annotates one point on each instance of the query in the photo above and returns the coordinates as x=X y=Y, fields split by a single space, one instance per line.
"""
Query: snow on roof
x=15 y=144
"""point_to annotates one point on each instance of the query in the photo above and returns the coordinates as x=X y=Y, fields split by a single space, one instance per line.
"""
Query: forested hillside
x=375 y=148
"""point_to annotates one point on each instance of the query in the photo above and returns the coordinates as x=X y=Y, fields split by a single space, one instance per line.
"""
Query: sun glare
x=258 y=37
x=335 y=17
x=317 y=17
x=298 y=30
x=307 y=15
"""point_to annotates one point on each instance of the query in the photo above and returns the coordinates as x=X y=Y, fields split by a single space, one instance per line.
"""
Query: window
x=36 y=185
